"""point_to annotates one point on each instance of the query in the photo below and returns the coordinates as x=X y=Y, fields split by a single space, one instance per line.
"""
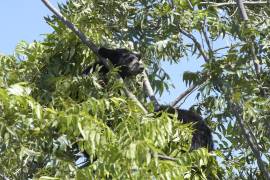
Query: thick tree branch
x=244 y=16
x=149 y=90
x=251 y=141
x=242 y=10
x=91 y=45
x=245 y=131
x=255 y=60
x=83 y=38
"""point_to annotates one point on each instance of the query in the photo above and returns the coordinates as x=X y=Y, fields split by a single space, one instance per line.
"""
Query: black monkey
x=128 y=62
x=129 y=65
x=202 y=136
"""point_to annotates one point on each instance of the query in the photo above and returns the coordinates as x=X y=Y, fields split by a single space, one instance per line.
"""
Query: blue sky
x=23 y=20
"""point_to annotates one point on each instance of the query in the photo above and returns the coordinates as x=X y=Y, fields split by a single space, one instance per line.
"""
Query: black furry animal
x=128 y=62
x=202 y=136
x=129 y=65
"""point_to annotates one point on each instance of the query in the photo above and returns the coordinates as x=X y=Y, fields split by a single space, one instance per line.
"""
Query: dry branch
x=205 y=57
x=197 y=44
x=252 y=142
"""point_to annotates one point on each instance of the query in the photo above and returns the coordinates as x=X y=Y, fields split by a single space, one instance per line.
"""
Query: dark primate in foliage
x=128 y=62
x=202 y=136
x=129 y=65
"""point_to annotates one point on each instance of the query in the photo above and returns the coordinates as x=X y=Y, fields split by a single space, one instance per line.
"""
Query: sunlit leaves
x=46 y=105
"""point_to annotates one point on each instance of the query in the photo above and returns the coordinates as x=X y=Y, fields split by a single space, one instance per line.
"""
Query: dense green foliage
x=46 y=105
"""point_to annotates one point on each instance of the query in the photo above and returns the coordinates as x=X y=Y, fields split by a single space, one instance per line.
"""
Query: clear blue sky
x=23 y=20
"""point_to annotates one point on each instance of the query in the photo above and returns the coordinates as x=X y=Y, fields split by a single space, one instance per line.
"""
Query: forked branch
x=91 y=45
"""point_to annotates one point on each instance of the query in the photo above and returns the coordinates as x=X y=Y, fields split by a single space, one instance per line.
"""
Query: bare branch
x=197 y=44
x=244 y=16
x=205 y=57
x=91 y=45
x=251 y=141
x=83 y=38
x=242 y=10
x=213 y=4
x=183 y=95
x=163 y=157
x=149 y=90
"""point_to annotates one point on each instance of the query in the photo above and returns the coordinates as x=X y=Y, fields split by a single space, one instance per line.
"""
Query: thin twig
x=205 y=57
x=206 y=37
x=197 y=44
x=91 y=45
x=190 y=4
x=163 y=157
x=183 y=95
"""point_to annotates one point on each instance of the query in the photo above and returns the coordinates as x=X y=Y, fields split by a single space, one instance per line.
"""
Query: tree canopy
x=47 y=105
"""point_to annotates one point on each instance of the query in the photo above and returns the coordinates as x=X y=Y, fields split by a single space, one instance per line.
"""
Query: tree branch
x=205 y=57
x=256 y=62
x=183 y=95
x=83 y=38
x=91 y=45
x=197 y=44
x=213 y=4
x=251 y=142
x=242 y=10
x=248 y=134
x=206 y=37
x=163 y=157
x=134 y=98
x=149 y=90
